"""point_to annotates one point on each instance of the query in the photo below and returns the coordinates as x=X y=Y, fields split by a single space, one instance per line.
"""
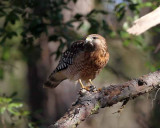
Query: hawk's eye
x=94 y=37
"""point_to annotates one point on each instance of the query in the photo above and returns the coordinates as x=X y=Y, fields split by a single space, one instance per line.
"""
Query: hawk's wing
x=69 y=55
x=67 y=59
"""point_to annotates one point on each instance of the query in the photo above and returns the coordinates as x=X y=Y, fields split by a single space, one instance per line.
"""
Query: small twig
x=155 y=97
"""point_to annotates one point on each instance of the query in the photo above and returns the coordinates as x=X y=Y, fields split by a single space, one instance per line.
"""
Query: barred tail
x=51 y=84
x=54 y=80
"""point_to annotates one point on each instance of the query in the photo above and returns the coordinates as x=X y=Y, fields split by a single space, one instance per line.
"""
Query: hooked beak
x=89 y=44
x=89 y=40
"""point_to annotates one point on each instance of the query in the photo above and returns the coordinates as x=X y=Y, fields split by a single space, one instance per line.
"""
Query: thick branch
x=89 y=102
x=145 y=22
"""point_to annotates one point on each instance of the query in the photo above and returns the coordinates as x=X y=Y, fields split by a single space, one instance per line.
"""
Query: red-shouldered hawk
x=82 y=61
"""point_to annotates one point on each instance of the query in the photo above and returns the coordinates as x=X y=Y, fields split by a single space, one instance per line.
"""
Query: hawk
x=82 y=61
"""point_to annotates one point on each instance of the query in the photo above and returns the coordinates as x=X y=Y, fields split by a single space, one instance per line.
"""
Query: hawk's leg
x=79 y=80
x=92 y=87
x=90 y=81
x=84 y=87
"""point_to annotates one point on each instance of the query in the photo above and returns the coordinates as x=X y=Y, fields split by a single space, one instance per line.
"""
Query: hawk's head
x=95 y=42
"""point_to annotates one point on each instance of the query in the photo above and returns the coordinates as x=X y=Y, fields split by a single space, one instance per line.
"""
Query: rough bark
x=145 y=22
x=89 y=102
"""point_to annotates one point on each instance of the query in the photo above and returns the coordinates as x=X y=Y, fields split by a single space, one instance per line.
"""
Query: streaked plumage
x=83 y=60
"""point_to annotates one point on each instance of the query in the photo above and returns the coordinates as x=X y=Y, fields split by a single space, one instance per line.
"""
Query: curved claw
x=84 y=87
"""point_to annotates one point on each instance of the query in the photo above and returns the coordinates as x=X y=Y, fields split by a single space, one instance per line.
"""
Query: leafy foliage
x=9 y=107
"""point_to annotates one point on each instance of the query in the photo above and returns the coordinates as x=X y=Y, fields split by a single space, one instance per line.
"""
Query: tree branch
x=145 y=22
x=89 y=102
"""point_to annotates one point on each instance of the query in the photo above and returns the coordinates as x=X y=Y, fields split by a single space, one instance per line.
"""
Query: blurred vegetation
x=22 y=24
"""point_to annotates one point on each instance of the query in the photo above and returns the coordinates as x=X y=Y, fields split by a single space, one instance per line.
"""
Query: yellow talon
x=84 y=87
x=81 y=83
x=90 y=81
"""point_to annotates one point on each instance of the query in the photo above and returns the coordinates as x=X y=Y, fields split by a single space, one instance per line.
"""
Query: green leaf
x=120 y=6
x=24 y=113
x=80 y=25
x=94 y=11
x=5 y=100
x=133 y=6
x=106 y=27
x=13 y=108
x=13 y=94
x=146 y=4
x=5 y=54
x=11 y=17
x=11 y=34
x=90 y=13
x=151 y=67
x=126 y=42
x=94 y=25
x=120 y=11
x=124 y=34
x=102 y=12
x=2 y=109
x=3 y=40
x=78 y=16
x=15 y=105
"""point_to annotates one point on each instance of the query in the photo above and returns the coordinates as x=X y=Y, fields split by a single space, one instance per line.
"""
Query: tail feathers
x=51 y=84
x=54 y=80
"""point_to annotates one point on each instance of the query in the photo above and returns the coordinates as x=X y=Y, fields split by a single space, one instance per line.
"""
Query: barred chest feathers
x=87 y=65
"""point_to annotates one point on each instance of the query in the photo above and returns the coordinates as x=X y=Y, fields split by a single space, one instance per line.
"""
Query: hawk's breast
x=87 y=65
